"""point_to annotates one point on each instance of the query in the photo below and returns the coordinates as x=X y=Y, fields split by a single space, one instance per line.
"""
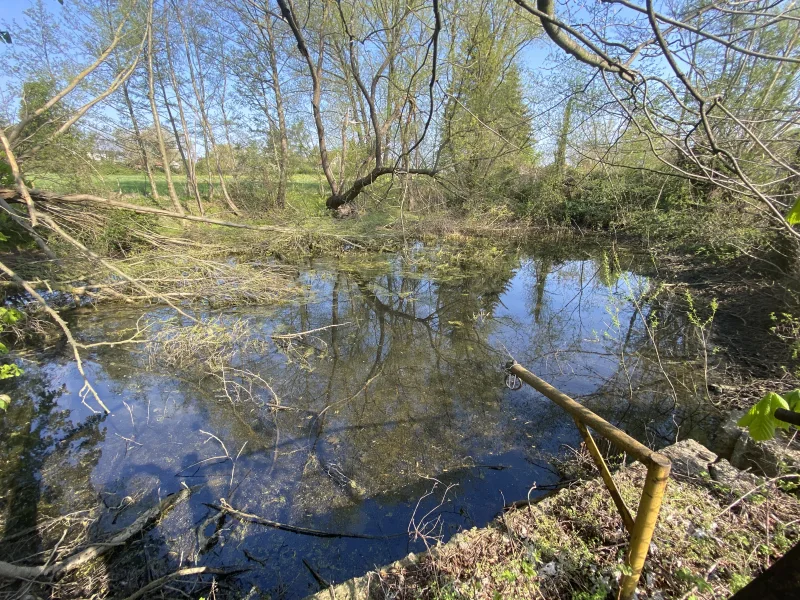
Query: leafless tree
x=194 y=64
x=173 y=196
x=370 y=51
x=262 y=82
x=711 y=88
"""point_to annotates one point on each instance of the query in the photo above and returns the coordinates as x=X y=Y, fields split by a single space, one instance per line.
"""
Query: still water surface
x=396 y=415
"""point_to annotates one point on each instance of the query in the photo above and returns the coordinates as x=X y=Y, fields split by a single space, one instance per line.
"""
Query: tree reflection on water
x=345 y=429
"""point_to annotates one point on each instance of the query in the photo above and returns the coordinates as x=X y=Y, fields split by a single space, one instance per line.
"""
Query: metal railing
x=658 y=466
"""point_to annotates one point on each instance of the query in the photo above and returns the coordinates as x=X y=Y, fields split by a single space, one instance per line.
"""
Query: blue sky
x=533 y=57
x=12 y=9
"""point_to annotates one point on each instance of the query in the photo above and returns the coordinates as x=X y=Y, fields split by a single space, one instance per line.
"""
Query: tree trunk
x=563 y=138
x=191 y=174
x=139 y=142
x=176 y=204
x=177 y=137
x=338 y=197
x=225 y=125
x=283 y=164
x=335 y=201
x=315 y=70
x=210 y=132
x=199 y=90
x=209 y=175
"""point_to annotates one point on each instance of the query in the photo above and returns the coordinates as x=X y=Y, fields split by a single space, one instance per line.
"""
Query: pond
x=390 y=417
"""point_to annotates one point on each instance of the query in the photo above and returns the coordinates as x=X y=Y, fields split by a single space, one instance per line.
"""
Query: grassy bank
x=709 y=543
x=669 y=215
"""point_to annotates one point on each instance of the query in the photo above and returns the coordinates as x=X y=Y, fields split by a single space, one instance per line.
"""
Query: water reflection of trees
x=405 y=385
x=658 y=392
x=615 y=341
x=408 y=383
x=42 y=449
x=647 y=376
x=410 y=386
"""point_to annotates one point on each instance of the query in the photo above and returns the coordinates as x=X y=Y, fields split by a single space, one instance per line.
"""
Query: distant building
x=110 y=155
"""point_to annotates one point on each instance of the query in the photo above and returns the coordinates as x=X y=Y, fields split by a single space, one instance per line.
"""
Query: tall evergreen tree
x=487 y=123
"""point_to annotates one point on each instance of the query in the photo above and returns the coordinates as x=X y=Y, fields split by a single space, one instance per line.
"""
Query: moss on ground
x=572 y=546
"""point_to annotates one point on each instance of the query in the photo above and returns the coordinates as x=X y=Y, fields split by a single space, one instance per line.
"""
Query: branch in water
x=79 y=558
x=258 y=520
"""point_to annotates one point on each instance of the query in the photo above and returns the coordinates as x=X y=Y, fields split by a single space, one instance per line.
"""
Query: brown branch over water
x=87 y=387
x=21 y=187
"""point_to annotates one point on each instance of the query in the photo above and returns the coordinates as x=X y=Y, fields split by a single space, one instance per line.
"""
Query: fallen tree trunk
x=12 y=195
x=337 y=200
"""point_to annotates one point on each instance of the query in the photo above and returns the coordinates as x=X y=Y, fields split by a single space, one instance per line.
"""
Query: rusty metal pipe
x=613 y=434
x=646 y=517
x=591 y=446
x=658 y=467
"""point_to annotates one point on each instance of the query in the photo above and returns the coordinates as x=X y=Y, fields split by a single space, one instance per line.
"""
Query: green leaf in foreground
x=793 y=217
x=760 y=420
x=793 y=399
x=9 y=316
x=5 y=401
x=9 y=371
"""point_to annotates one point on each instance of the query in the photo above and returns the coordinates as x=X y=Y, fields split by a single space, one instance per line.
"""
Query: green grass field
x=305 y=202
x=305 y=193
x=138 y=184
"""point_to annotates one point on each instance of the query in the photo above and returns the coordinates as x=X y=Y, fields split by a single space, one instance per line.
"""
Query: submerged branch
x=161 y=581
x=148 y=517
x=258 y=520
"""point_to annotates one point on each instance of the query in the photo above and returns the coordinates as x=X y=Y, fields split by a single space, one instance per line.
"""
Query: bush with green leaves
x=8 y=318
x=760 y=419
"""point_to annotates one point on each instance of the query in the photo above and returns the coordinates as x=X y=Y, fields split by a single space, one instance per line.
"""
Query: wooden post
x=591 y=446
x=646 y=516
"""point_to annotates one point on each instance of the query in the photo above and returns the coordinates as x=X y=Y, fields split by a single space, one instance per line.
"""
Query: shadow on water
x=356 y=428
x=38 y=435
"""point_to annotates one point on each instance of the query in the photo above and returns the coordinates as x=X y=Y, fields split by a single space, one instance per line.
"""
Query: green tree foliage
x=6 y=176
x=487 y=133
x=69 y=154
x=8 y=318
x=35 y=94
